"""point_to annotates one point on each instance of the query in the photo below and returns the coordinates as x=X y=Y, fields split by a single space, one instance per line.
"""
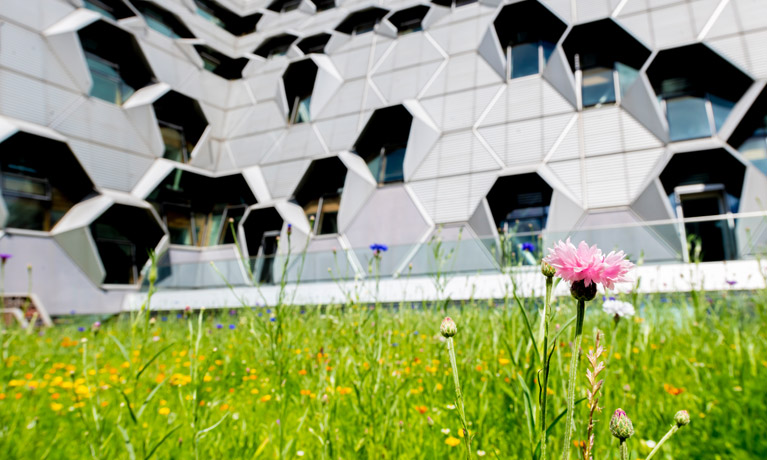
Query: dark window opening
x=277 y=45
x=283 y=6
x=453 y=3
x=181 y=125
x=262 y=231
x=299 y=83
x=196 y=208
x=409 y=20
x=40 y=181
x=383 y=143
x=221 y=64
x=362 y=21
x=528 y=33
x=112 y=9
x=608 y=57
x=124 y=235
x=323 y=5
x=319 y=193
x=162 y=20
x=313 y=43
x=117 y=65
x=750 y=137
x=697 y=89
x=224 y=18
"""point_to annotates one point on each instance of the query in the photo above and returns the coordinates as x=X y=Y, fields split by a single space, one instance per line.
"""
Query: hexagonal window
x=383 y=143
x=528 y=33
x=276 y=45
x=697 y=89
x=750 y=137
x=112 y=9
x=605 y=59
x=262 y=232
x=226 y=19
x=313 y=43
x=453 y=3
x=117 y=65
x=162 y=20
x=124 y=235
x=520 y=208
x=41 y=181
x=323 y=5
x=283 y=6
x=196 y=208
x=299 y=84
x=706 y=184
x=319 y=193
x=221 y=64
x=409 y=20
x=362 y=21
x=181 y=125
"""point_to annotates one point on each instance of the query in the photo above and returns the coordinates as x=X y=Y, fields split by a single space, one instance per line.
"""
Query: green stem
x=544 y=358
x=625 y=450
x=571 y=381
x=660 y=443
x=459 y=397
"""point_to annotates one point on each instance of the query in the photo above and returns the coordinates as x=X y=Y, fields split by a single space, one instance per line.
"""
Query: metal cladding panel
x=266 y=116
x=264 y=86
x=564 y=213
x=635 y=135
x=326 y=83
x=638 y=24
x=460 y=37
x=348 y=99
x=410 y=50
x=751 y=13
x=453 y=199
x=462 y=72
x=526 y=98
x=732 y=49
x=239 y=95
x=250 y=150
x=282 y=178
x=754 y=193
x=32 y=100
x=641 y=102
x=358 y=186
x=379 y=222
x=37 y=15
x=26 y=52
x=591 y=10
x=672 y=26
x=459 y=110
x=757 y=53
x=353 y=64
x=109 y=167
x=527 y=141
x=569 y=174
x=640 y=165
x=300 y=141
x=601 y=128
x=652 y=203
x=606 y=181
x=456 y=153
x=168 y=67
x=563 y=8
x=340 y=133
x=404 y=84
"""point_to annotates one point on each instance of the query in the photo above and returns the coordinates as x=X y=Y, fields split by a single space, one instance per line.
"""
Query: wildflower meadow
x=664 y=376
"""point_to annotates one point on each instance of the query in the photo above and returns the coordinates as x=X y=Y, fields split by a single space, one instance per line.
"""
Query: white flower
x=300 y=453
x=450 y=406
x=480 y=453
x=651 y=444
x=445 y=430
x=618 y=308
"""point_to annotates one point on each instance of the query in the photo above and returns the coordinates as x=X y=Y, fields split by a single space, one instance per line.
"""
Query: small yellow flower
x=164 y=411
x=503 y=361
x=452 y=442
x=266 y=398
x=55 y=407
x=617 y=356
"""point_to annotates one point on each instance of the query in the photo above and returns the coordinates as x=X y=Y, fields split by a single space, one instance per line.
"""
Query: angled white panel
x=348 y=99
x=32 y=100
x=293 y=214
x=564 y=213
x=606 y=181
x=36 y=15
x=527 y=141
x=732 y=48
x=757 y=53
x=640 y=101
x=640 y=166
x=299 y=141
x=561 y=7
x=63 y=40
x=568 y=173
x=635 y=135
x=282 y=178
x=406 y=83
x=352 y=64
x=672 y=26
x=379 y=222
x=459 y=110
x=454 y=154
x=741 y=108
x=409 y=50
x=152 y=178
x=592 y=10
x=637 y=24
x=255 y=179
x=490 y=50
x=264 y=85
x=462 y=72
x=452 y=199
x=9 y=127
x=358 y=186
x=423 y=135
x=754 y=195
x=526 y=98
x=325 y=85
x=560 y=77
x=340 y=133
x=250 y=150
x=599 y=131
x=110 y=167
x=460 y=37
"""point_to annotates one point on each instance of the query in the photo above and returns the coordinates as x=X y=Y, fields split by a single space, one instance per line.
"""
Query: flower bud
x=580 y=291
x=682 y=418
x=547 y=270
x=448 y=327
x=621 y=426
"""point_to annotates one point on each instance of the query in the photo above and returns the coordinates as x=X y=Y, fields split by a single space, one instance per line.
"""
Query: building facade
x=474 y=131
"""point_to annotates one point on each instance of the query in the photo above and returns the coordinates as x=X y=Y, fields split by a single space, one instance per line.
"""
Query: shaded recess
x=362 y=21
x=608 y=57
x=528 y=33
x=162 y=20
x=196 y=208
x=262 y=232
x=453 y=3
x=520 y=203
x=181 y=124
x=283 y=6
x=115 y=61
x=221 y=64
x=750 y=137
x=112 y=9
x=276 y=45
x=41 y=180
x=409 y=20
x=319 y=194
x=124 y=235
x=383 y=143
x=313 y=43
x=697 y=89
x=701 y=184
x=226 y=19
x=323 y=5
x=299 y=80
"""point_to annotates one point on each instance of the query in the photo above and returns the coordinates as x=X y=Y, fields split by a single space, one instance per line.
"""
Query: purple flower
x=231 y=326
x=72 y=312
x=81 y=329
x=97 y=325
x=232 y=312
x=272 y=319
x=219 y=326
x=179 y=315
x=529 y=247
x=731 y=282
x=375 y=247
x=4 y=257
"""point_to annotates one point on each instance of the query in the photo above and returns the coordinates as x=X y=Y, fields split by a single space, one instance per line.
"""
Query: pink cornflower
x=588 y=264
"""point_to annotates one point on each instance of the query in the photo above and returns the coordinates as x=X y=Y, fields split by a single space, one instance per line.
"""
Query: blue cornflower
x=219 y=326
x=272 y=319
x=163 y=318
x=529 y=247
x=231 y=326
x=179 y=315
x=379 y=247
x=81 y=329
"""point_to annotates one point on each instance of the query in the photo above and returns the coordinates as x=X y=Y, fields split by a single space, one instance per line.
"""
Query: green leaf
x=149 y=398
x=130 y=409
x=156 y=446
x=201 y=433
x=557 y=419
x=143 y=368
x=128 y=444
x=121 y=347
x=527 y=325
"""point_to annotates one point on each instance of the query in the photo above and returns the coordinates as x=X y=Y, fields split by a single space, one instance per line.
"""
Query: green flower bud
x=580 y=291
x=547 y=270
x=682 y=418
x=621 y=426
x=448 y=327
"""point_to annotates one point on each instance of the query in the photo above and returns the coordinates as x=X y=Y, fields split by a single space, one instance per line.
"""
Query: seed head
x=547 y=270
x=621 y=426
x=448 y=327
x=682 y=418
x=580 y=291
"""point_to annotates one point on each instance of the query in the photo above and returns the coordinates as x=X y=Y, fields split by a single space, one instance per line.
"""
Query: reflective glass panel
x=393 y=169
x=598 y=86
x=26 y=213
x=626 y=76
x=524 y=60
x=175 y=143
x=329 y=216
x=721 y=108
x=302 y=112
x=179 y=222
x=754 y=149
x=687 y=118
x=375 y=167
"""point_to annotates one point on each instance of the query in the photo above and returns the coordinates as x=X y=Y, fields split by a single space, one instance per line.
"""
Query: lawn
x=363 y=381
